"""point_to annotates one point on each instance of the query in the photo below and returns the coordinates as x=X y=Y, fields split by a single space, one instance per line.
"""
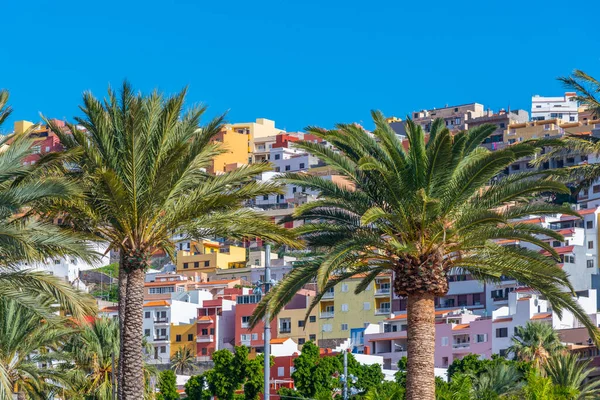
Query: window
x=327 y=328
x=366 y=306
x=245 y=321
x=190 y=337
x=206 y=263
x=502 y=125
x=480 y=338
x=555 y=243
x=502 y=352
x=255 y=336
x=204 y=351
x=445 y=341
x=301 y=340
x=476 y=299
x=163 y=349
x=146 y=332
x=345 y=307
x=344 y=287
x=277 y=156
x=277 y=169
x=300 y=324
x=287 y=167
x=571 y=118
x=47 y=149
x=36 y=149
x=312 y=318
x=266 y=197
x=280 y=371
x=56 y=261
x=196 y=264
x=301 y=165
x=344 y=327
x=445 y=361
x=312 y=338
x=212 y=331
x=591 y=244
x=204 y=332
x=185 y=265
x=501 y=332
x=294 y=189
x=589 y=224
x=245 y=337
x=596 y=189
x=285 y=325
x=178 y=338
x=590 y=263
x=161 y=290
x=147 y=314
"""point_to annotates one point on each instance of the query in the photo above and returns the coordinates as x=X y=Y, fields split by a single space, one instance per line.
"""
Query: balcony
x=383 y=292
x=162 y=320
x=245 y=325
x=328 y=295
x=203 y=359
x=461 y=345
x=285 y=330
x=161 y=338
x=205 y=339
x=382 y=311
x=326 y=314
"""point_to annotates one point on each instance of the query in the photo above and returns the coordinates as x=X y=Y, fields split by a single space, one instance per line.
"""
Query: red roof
x=542 y=315
x=565 y=232
x=587 y=211
x=460 y=327
x=560 y=250
x=538 y=220
x=508 y=319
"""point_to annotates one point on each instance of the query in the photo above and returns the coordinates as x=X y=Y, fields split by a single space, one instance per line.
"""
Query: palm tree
x=421 y=213
x=535 y=342
x=25 y=238
x=587 y=88
x=571 y=376
x=90 y=356
x=385 y=391
x=183 y=360
x=498 y=380
x=27 y=343
x=142 y=164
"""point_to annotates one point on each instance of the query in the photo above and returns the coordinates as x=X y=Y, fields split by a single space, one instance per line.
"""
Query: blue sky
x=302 y=62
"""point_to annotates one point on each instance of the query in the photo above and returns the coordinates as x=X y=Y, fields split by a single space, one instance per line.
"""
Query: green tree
x=570 y=375
x=167 y=386
x=535 y=342
x=313 y=373
x=25 y=238
x=254 y=374
x=195 y=388
x=459 y=388
x=28 y=341
x=227 y=375
x=471 y=364
x=419 y=213
x=141 y=163
x=183 y=360
x=538 y=387
x=368 y=376
x=385 y=391
x=499 y=379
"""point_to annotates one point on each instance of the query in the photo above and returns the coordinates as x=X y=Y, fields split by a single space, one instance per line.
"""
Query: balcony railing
x=382 y=311
x=205 y=339
x=326 y=314
x=161 y=337
x=461 y=345
x=285 y=330
x=328 y=295
x=382 y=292
x=161 y=320
x=245 y=325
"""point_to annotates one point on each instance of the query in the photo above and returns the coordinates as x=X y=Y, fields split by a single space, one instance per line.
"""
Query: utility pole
x=267 y=351
x=345 y=374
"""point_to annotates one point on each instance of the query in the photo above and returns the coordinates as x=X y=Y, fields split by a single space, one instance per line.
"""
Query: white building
x=562 y=107
x=68 y=268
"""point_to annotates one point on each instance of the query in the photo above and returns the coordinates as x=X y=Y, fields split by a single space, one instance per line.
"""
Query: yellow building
x=206 y=256
x=290 y=320
x=341 y=310
x=237 y=147
x=545 y=129
x=262 y=128
x=183 y=335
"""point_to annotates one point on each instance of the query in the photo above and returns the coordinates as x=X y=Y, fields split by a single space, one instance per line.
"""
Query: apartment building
x=165 y=321
x=563 y=107
x=244 y=336
x=293 y=323
x=502 y=119
x=262 y=128
x=44 y=140
x=214 y=327
x=237 y=151
x=206 y=256
x=455 y=117
x=341 y=309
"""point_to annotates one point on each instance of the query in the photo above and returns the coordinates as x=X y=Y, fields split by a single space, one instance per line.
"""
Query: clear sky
x=299 y=62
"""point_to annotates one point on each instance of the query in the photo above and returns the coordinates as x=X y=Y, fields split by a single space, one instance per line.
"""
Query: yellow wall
x=236 y=145
x=356 y=314
x=22 y=126
x=261 y=128
x=184 y=330
x=310 y=328
x=203 y=252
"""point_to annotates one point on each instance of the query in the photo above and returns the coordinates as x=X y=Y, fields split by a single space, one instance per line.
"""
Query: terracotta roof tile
x=157 y=303
x=507 y=319
x=542 y=316
x=459 y=327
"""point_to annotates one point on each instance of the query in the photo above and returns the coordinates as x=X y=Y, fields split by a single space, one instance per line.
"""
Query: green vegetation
x=419 y=212
x=110 y=270
x=167 y=386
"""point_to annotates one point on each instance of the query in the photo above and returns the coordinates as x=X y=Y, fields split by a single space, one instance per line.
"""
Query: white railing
x=461 y=345
x=382 y=291
x=381 y=311
x=328 y=295
x=205 y=338
x=327 y=314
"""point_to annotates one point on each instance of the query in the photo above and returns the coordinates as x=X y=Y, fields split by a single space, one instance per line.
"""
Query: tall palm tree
x=535 y=342
x=25 y=238
x=420 y=213
x=141 y=161
x=27 y=343
x=571 y=374
x=587 y=89
x=183 y=360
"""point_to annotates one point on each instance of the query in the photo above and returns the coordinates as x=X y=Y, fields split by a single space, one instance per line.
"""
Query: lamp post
x=267 y=350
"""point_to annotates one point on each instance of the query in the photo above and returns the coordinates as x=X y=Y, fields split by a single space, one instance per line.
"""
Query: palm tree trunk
x=131 y=382
x=420 y=379
x=21 y=395
x=122 y=302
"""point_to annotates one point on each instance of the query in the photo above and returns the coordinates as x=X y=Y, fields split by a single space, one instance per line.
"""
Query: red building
x=214 y=327
x=252 y=338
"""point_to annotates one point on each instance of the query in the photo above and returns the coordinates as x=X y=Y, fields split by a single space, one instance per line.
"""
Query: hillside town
x=200 y=295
